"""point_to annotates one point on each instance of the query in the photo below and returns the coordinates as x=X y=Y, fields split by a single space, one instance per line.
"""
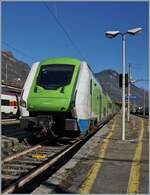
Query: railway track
x=139 y=115
x=21 y=168
x=10 y=121
x=38 y=162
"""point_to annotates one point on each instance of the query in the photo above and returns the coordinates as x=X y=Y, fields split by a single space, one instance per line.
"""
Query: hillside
x=17 y=70
x=109 y=80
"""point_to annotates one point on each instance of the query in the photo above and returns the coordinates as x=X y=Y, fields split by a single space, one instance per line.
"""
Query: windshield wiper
x=53 y=87
x=62 y=89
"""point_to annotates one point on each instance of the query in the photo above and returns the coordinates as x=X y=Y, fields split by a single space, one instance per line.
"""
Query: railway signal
x=120 y=80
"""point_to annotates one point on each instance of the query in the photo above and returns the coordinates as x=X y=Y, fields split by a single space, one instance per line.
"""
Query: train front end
x=47 y=98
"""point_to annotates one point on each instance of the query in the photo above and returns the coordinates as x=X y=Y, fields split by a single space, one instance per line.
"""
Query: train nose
x=48 y=104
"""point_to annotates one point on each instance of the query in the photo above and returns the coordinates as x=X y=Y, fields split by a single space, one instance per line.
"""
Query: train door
x=91 y=96
x=15 y=107
x=11 y=106
x=100 y=108
x=107 y=108
x=104 y=111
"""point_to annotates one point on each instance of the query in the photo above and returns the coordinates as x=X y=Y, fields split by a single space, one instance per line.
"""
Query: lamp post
x=129 y=90
x=112 y=34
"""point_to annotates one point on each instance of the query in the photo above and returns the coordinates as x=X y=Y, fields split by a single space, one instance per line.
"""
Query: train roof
x=63 y=60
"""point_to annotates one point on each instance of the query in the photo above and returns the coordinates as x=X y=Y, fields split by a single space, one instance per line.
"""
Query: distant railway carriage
x=62 y=94
x=9 y=105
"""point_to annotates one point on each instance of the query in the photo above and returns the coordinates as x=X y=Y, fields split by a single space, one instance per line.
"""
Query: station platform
x=121 y=166
x=106 y=164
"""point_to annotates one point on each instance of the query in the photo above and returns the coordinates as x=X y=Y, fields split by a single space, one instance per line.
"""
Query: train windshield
x=55 y=76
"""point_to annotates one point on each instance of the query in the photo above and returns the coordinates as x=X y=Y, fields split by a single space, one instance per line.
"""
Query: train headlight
x=23 y=103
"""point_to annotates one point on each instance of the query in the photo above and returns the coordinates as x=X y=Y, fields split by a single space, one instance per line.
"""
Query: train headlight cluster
x=23 y=103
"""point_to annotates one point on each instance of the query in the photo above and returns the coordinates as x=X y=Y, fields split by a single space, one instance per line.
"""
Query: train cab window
x=55 y=76
x=5 y=102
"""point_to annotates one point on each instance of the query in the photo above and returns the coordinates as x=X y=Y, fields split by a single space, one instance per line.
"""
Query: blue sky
x=32 y=33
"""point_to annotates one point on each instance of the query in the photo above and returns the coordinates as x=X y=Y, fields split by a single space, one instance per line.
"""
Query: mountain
x=109 y=80
x=17 y=71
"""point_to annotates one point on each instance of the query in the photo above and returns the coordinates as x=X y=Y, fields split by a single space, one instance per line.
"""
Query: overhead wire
x=64 y=30
x=61 y=26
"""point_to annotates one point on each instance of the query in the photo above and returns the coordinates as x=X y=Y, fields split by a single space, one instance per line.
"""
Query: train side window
x=100 y=102
x=91 y=86
x=5 y=102
x=104 y=111
x=110 y=106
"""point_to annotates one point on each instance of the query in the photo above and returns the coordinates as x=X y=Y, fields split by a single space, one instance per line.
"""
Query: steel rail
x=50 y=161
x=21 y=153
x=146 y=116
x=21 y=182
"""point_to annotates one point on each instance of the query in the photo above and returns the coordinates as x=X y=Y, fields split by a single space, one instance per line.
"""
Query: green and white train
x=62 y=95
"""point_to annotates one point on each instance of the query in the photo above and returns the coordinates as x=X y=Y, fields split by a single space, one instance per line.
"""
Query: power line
x=19 y=51
x=64 y=30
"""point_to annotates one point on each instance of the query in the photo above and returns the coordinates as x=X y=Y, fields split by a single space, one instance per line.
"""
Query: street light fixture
x=134 y=31
x=112 y=34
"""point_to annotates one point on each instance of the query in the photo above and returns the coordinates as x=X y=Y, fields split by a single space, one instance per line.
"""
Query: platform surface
x=121 y=166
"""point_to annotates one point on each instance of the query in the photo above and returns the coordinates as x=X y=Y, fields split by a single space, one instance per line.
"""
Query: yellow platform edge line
x=92 y=174
x=133 y=184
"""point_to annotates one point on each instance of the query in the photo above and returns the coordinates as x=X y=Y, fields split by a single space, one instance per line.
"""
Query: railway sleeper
x=16 y=172
x=29 y=162
x=32 y=159
x=18 y=165
x=8 y=177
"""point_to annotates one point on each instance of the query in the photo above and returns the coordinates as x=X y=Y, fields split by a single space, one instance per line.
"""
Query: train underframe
x=56 y=124
x=50 y=124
